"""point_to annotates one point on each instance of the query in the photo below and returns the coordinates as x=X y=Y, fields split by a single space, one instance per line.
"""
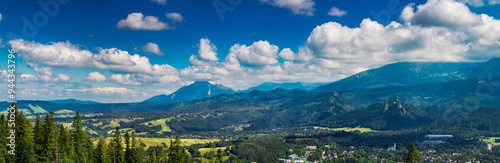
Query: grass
x=64 y=111
x=205 y=160
x=491 y=140
x=361 y=129
x=158 y=141
x=160 y=122
x=37 y=109
x=205 y=150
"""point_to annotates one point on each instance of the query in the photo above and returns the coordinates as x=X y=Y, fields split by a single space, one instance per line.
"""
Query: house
x=490 y=146
x=392 y=148
x=429 y=136
x=327 y=146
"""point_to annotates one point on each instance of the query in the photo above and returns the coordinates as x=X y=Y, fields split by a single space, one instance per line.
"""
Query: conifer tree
x=78 y=139
x=412 y=155
x=100 y=154
x=63 y=142
x=177 y=152
x=24 y=142
x=128 y=151
x=116 y=147
x=49 y=144
x=3 y=139
x=38 y=139
x=152 y=156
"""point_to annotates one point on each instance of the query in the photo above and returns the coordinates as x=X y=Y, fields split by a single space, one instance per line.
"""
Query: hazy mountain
x=267 y=86
x=73 y=101
x=405 y=73
x=389 y=114
x=197 y=90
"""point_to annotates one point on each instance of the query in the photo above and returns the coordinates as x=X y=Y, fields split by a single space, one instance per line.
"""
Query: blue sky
x=126 y=51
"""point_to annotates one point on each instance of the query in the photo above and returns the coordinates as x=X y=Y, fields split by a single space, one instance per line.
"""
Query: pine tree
x=24 y=141
x=49 y=144
x=412 y=155
x=128 y=151
x=3 y=139
x=177 y=152
x=100 y=155
x=77 y=136
x=134 y=149
x=38 y=139
x=65 y=147
x=152 y=156
x=219 y=156
x=116 y=147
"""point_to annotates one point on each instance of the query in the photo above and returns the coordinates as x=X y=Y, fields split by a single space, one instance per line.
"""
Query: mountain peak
x=197 y=90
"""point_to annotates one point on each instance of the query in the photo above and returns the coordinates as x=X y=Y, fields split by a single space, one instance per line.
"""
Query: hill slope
x=390 y=114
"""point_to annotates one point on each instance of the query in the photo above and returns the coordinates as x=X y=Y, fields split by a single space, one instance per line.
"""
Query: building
x=392 y=148
x=490 y=146
x=429 y=136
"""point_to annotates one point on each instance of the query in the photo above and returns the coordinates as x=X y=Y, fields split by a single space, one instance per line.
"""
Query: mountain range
x=197 y=90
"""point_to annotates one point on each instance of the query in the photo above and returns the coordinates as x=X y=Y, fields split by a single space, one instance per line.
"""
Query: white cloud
x=175 y=17
x=62 y=78
x=0 y=17
x=28 y=78
x=95 y=76
x=137 y=21
x=55 y=54
x=334 y=11
x=207 y=50
x=152 y=48
x=107 y=91
x=448 y=13
x=160 y=2
x=260 y=53
x=480 y=3
x=287 y=54
x=299 y=7
x=126 y=79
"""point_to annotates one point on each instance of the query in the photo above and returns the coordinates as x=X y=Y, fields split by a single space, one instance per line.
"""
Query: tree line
x=49 y=141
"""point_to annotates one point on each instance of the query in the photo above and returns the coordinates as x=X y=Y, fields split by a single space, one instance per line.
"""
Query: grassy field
x=160 y=122
x=492 y=140
x=64 y=111
x=205 y=150
x=37 y=109
x=346 y=129
x=158 y=141
x=205 y=160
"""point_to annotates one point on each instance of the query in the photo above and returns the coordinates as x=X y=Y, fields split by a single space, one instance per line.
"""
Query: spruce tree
x=49 y=144
x=116 y=147
x=128 y=151
x=100 y=154
x=4 y=132
x=134 y=149
x=412 y=155
x=65 y=147
x=38 y=139
x=177 y=152
x=77 y=136
x=152 y=156
x=24 y=141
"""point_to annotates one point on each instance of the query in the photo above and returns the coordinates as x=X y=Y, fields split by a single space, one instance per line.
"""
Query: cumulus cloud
x=152 y=48
x=160 y=2
x=28 y=78
x=95 y=76
x=260 y=53
x=206 y=53
x=126 y=79
x=299 y=7
x=137 y=21
x=448 y=13
x=334 y=11
x=62 y=78
x=480 y=3
x=175 y=17
x=287 y=54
